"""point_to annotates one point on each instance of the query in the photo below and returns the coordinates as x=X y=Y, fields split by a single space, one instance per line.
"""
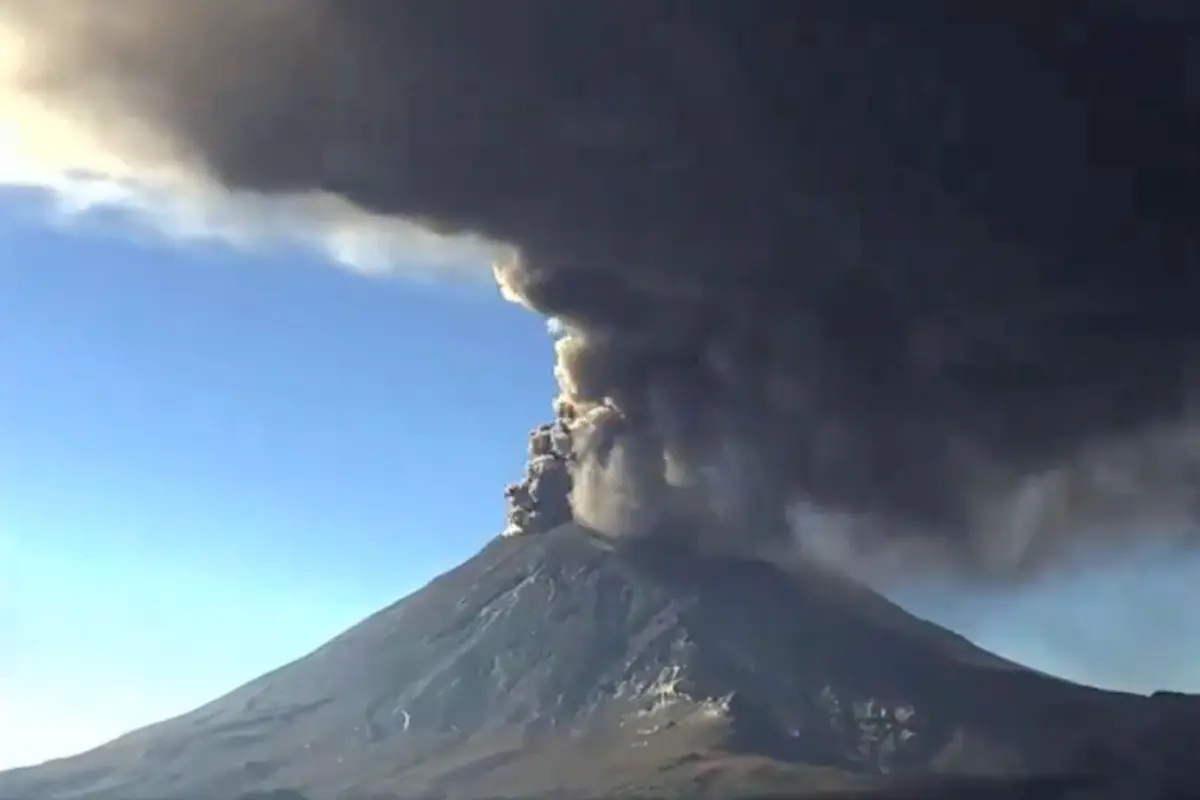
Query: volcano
x=569 y=665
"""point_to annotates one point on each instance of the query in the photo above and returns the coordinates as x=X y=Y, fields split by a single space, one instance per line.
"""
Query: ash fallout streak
x=913 y=286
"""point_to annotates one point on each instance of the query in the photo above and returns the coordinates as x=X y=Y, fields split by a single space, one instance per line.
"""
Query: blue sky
x=213 y=460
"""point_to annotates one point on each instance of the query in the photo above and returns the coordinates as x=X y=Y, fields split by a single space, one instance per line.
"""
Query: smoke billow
x=914 y=291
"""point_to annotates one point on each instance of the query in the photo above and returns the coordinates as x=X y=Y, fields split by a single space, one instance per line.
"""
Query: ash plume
x=916 y=289
x=541 y=500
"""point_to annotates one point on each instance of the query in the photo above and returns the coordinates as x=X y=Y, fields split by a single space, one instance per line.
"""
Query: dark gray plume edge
x=862 y=257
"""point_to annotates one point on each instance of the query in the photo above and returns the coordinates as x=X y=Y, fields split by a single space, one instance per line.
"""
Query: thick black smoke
x=926 y=271
x=541 y=501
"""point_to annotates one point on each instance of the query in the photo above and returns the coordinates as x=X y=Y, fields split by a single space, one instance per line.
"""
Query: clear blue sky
x=211 y=461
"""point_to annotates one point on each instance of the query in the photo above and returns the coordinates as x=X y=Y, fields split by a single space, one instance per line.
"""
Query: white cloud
x=148 y=180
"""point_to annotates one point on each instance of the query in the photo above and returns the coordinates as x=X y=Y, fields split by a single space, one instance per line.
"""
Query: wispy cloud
x=133 y=172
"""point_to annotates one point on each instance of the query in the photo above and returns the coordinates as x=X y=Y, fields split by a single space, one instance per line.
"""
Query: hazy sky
x=212 y=460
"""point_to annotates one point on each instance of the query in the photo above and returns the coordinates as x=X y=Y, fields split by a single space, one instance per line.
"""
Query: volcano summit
x=566 y=665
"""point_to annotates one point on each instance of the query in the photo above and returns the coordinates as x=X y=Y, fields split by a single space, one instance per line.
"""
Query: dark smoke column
x=922 y=266
x=542 y=499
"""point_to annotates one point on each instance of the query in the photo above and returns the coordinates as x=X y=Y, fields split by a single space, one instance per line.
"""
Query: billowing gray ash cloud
x=914 y=289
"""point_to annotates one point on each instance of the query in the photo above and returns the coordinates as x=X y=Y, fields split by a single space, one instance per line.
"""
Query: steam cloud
x=919 y=292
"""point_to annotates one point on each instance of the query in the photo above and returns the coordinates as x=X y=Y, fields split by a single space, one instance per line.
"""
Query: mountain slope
x=559 y=662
